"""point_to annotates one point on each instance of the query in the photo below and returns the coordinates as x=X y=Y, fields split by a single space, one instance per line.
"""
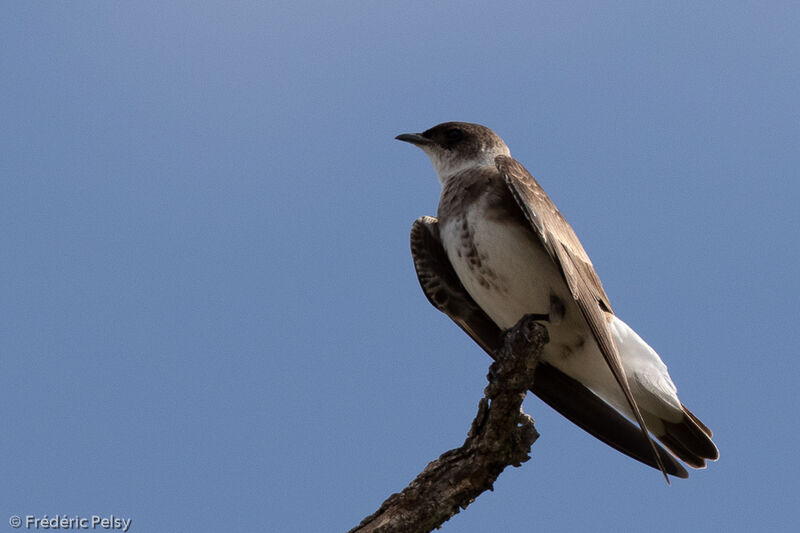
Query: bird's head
x=456 y=146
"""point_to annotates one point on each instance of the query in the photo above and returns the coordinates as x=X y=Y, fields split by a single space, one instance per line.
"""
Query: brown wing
x=564 y=247
x=567 y=396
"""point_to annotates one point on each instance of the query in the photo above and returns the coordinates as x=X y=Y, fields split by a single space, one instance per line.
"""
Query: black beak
x=413 y=138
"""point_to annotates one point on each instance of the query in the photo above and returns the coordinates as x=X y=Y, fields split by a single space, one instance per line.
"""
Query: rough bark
x=501 y=435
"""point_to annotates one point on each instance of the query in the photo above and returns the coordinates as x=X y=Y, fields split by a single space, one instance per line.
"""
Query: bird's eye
x=454 y=135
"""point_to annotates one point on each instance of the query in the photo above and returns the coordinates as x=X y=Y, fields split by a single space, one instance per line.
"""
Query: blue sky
x=209 y=317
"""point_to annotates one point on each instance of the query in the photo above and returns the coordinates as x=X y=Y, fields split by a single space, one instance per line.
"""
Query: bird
x=500 y=250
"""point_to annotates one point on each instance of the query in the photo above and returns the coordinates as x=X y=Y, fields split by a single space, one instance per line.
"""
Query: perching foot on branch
x=501 y=435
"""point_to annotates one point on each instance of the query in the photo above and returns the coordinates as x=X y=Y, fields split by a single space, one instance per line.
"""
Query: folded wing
x=567 y=396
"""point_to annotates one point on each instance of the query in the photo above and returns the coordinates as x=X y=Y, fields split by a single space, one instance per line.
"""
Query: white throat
x=447 y=164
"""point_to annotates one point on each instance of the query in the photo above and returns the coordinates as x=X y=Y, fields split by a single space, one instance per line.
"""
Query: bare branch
x=501 y=435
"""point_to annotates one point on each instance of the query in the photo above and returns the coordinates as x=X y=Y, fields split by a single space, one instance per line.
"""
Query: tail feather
x=697 y=421
x=689 y=439
x=679 y=450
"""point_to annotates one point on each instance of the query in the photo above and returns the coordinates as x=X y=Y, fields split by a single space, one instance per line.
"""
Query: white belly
x=509 y=274
x=503 y=269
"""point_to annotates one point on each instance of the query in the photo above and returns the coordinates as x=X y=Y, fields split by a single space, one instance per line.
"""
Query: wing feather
x=566 y=251
x=573 y=400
